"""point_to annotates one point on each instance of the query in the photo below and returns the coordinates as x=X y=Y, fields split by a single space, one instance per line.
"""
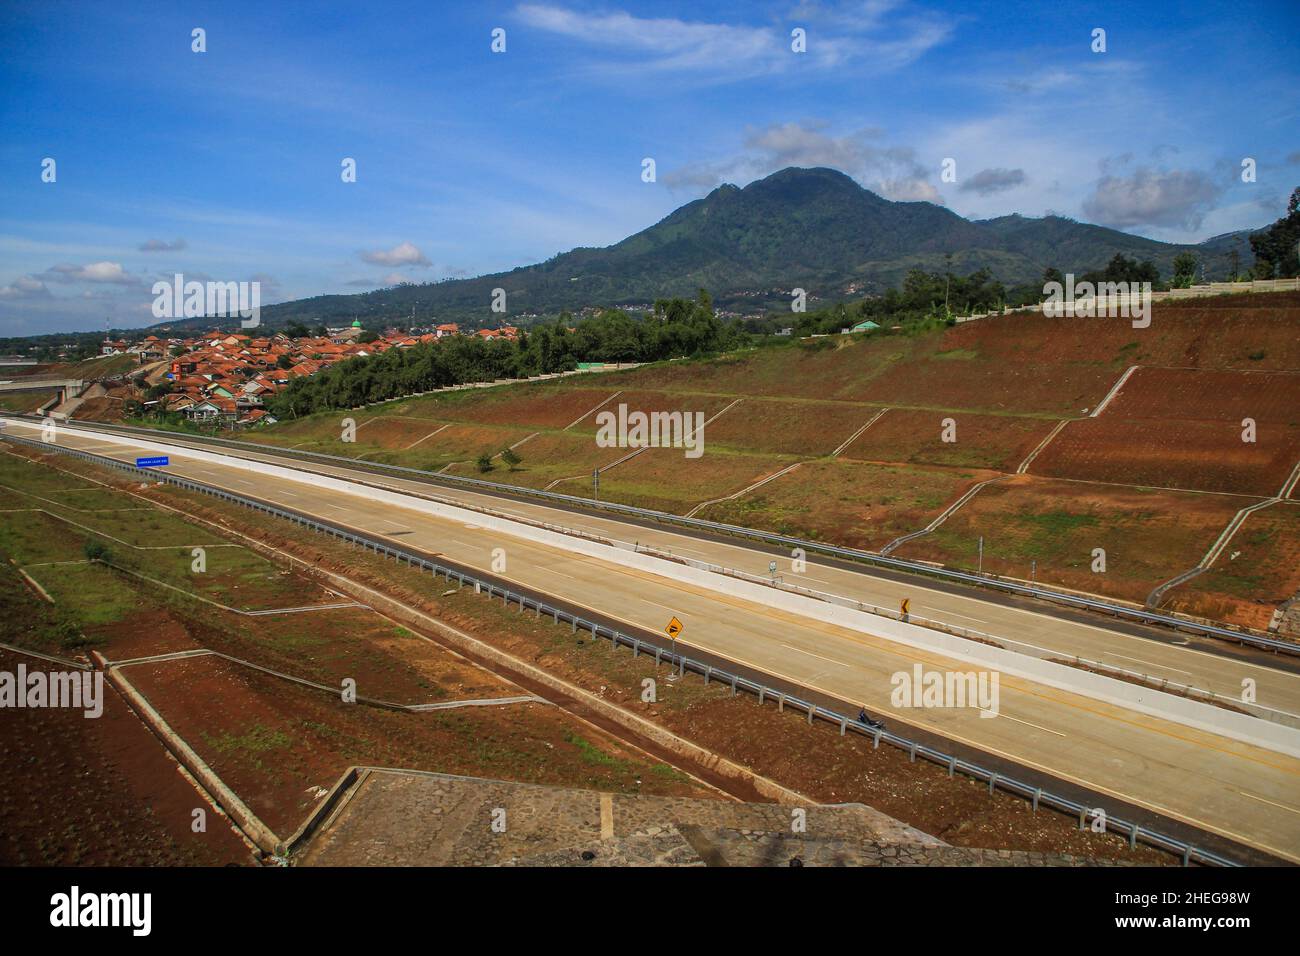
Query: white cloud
x=25 y=287
x=403 y=254
x=162 y=245
x=857 y=34
x=892 y=171
x=1149 y=197
x=110 y=272
x=661 y=43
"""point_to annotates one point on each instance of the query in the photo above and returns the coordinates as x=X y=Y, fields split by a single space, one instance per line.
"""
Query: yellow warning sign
x=674 y=628
x=905 y=606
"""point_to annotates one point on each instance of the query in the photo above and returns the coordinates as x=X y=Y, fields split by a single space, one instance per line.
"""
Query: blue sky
x=226 y=164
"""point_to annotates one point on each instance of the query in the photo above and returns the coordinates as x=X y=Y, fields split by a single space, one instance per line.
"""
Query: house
x=256 y=416
x=450 y=328
x=204 y=411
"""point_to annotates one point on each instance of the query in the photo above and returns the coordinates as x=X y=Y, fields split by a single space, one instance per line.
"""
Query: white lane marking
x=947 y=613
x=1149 y=663
x=1035 y=726
x=1282 y=806
x=818 y=656
x=662 y=607
x=560 y=573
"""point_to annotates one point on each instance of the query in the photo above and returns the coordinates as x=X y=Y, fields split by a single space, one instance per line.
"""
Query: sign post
x=672 y=629
x=595 y=482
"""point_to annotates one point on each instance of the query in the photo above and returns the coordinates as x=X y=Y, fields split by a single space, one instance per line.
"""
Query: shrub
x=96 y=551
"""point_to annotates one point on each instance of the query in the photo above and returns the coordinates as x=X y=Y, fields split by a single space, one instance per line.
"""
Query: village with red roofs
x=225 y=377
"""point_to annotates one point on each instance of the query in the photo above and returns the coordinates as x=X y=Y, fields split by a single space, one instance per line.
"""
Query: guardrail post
x=1133 y=837
x=478 y=587
x=780 y=703
x=1037 y=794
x=844 y=725
x=574 y=622
x=708 y=672
x=993 y=782
x=875 y=744
x=733 y=685
x=952 y=766
x=1082 y=819
x=1187 y=855
x=761 y=692
x=812 y=709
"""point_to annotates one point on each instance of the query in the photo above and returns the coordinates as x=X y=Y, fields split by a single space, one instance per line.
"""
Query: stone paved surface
x=394 y=818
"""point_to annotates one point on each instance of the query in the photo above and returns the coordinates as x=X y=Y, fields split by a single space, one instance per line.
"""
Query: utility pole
x=947 y=281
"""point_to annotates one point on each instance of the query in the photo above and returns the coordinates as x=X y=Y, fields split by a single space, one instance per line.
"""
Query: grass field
x=998 y=442
x=1168 y=394
x=1005 y=381
x=276 y=743
x=853 y=503
x=1148 y=536
x=785 y=427
x=1255 y=574
x=666 y=480
x=1201 y=455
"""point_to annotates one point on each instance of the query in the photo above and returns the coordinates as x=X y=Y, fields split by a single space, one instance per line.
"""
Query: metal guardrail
x=1134 y=832
x=1137 y=614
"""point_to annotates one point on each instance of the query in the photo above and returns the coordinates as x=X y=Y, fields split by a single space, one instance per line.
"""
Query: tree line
x=675 y=328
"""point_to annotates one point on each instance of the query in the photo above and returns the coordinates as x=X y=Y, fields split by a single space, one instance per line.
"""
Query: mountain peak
x=807 y=227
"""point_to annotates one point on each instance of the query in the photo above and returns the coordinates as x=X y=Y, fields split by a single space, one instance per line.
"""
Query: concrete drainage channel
x=1140 y=615
x=1037 y=796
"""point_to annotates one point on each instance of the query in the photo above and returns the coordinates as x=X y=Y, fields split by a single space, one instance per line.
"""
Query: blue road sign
x=152 y=462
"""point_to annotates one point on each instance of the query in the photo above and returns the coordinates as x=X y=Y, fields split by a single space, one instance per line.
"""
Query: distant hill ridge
x=811 y=228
